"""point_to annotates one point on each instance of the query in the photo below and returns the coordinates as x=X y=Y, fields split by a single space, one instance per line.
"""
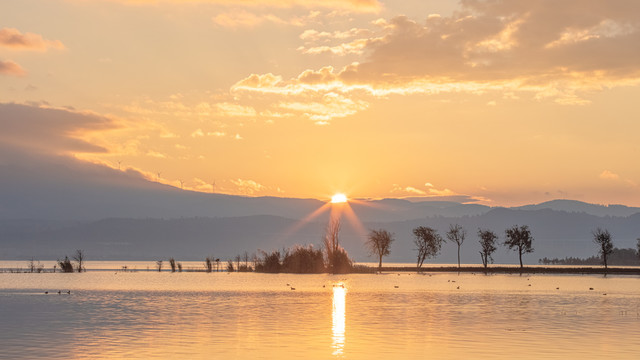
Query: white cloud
x=235 y=110
x=197 y=133
x=248 y=187
x=156 y=154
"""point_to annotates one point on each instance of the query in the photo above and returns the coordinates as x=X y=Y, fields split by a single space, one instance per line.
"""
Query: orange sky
x=500 y=102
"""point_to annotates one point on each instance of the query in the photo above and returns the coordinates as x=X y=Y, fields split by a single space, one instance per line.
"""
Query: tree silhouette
x=379 y=243
x=303 y=260
x=208 y=264
x=65 y=265
x=338 y=261
x=270 y=262
x=159 y=265
x=457 y=234
x=238 y=258
x=172 y=263
x=428 y=243
x=519 y=237
x=79 y=259
x=603 y=239
x=488 y=243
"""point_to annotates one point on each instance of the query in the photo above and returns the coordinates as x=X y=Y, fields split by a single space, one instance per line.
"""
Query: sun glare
x=339 y=198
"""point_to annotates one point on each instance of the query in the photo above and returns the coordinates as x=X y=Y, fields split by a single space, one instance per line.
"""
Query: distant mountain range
x=55 y=205
x=557 y=234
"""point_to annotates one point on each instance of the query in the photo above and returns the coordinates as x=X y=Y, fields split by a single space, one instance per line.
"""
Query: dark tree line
x=428 y=242
x=333 y=258
x=623 y=257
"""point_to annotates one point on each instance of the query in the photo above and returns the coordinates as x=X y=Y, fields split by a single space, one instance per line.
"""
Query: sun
x=338 y=198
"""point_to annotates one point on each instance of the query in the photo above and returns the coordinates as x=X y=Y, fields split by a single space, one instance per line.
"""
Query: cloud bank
x=41 y=129
x=353 y=5
x=543 y=49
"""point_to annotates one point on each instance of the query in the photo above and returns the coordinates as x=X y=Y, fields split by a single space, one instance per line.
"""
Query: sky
x=498 y=102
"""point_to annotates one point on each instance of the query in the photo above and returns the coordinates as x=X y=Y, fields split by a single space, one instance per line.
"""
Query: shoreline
x=369 y=269
x=504 y=270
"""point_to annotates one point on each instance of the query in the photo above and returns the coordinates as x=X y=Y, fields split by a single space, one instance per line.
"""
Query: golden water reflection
x=338 y=327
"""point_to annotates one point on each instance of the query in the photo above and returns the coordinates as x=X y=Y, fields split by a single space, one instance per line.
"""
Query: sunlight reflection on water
x=339 y=318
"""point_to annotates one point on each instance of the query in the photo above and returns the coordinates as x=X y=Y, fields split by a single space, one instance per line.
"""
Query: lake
x=194 y=315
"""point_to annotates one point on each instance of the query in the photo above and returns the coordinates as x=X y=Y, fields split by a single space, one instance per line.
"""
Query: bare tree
x=238 y=258
x=603 y=239
x=208 y=264
x=519 y=237
x=32 y=265
x=35 y=266
x=488 y=243
x=179 y=266
x=254 y=260
x=457 y=234
x=159 y=265
x=79 y=259
x=217 y=264
x=245 y=258
x=172 y=263
x=428 y=243
x=379 y=243
x=337 y=258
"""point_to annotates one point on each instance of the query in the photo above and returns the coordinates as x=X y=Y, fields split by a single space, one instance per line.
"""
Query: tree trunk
x=520 y=253
x=458 y=256
x=380 y=264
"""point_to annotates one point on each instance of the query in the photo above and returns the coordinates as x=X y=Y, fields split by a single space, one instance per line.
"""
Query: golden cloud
x=352 y=5
x=15 y=40
x=608 y=175
x=557 y=53
x=8 y=67
x=243 y=18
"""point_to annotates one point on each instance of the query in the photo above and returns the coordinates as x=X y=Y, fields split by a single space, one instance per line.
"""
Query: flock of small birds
x=324 y=286
x=397 y=286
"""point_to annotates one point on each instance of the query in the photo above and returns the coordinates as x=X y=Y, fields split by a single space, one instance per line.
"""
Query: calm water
x=142 y=315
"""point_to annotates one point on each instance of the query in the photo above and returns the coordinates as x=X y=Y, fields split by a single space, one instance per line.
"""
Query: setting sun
x=339 y=198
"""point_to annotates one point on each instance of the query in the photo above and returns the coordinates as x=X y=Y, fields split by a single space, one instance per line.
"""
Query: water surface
x=147 y=315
